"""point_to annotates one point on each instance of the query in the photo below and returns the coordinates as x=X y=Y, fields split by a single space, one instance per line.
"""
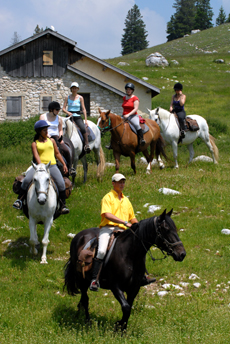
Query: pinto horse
x=125 y=142
x=171 y=133
x=126 y=265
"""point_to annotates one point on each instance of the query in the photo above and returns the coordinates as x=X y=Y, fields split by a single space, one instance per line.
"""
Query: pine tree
x=182 y=22
x=221 y=19
x=15 y=39
x=204 y=14
x=37 y=30
x=135 y=34
x=228 y=19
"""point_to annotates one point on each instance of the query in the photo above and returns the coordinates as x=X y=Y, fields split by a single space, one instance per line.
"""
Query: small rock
x=153 y=208
x=6 y=241
x=71 y=235
x=167 y=191
x=197 y=285
x=166 y=286
x=123 y=64
x=162 y=293
x=225 y=231
x=203 y=158
x=193 y=277
x=184 y=284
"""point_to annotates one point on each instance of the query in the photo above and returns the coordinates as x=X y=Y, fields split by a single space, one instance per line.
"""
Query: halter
x=109 y=128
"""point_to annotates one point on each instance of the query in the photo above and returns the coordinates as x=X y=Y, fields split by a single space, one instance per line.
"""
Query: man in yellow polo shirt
x=116 y=213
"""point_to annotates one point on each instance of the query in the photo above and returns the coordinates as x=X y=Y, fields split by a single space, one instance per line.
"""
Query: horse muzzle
x=42 y=197
x=179 y=255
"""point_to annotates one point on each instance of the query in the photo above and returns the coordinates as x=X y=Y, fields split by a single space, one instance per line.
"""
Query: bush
x=216 y=127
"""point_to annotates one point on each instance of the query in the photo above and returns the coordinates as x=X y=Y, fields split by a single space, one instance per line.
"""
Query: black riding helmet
x=178 y=86
x=130 y=85
x=54 y=106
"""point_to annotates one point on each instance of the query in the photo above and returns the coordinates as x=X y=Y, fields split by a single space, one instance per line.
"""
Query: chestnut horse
x=125 y=142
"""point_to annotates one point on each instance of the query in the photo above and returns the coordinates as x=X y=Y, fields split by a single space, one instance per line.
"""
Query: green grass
x=35 y=309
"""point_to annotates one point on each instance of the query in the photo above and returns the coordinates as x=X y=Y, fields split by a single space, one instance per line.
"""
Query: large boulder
x=156 y=59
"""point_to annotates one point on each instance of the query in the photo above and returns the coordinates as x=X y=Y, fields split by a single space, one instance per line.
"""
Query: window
x=14 y=106
x=47 y=58
x=45 y=103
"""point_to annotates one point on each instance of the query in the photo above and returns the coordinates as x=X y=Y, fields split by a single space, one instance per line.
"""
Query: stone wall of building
x=32 y=90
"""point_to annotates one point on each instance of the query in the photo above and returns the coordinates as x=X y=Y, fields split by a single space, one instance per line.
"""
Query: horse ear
x=99 y=110
x=48 y=165
x=162 y=216
x=170 y=212
x=34 y=166
x=107 y=113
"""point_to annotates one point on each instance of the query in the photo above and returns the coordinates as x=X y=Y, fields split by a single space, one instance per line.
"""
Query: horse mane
x=69 y=126
x=164 y=113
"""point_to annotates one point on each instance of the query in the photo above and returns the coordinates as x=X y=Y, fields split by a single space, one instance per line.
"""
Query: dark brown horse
x=125 y=268
x=125 y=142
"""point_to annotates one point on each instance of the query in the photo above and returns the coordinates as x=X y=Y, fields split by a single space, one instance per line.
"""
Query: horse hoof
x=162 y=167
x=148 y=172
x=33 y=251
x=43 y=261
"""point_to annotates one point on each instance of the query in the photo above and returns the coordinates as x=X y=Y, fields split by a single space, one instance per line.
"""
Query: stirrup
x=87 y=149
x=64 y=210
x=18 y=204
x=94 y=286
x=182 y=134
x=72 y=171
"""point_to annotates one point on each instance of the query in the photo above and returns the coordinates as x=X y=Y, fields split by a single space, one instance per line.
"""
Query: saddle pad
x=90 y=133
x=144 y=127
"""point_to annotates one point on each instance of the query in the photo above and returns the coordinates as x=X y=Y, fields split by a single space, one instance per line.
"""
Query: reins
x=158 y=235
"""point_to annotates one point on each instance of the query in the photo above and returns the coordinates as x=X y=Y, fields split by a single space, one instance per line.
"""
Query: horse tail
x=214 y=147
x=160 y=147
x=101 y=165
x=70 y=278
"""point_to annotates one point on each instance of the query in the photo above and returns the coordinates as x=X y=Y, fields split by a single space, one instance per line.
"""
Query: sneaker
x=108 y=146
x=87 y=149
x=64 y=210
x=147 y=280
x=94 y=286
x=18 y=204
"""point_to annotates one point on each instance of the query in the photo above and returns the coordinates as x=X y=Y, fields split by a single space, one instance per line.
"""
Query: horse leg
x=45 y=240
x=84 y=302
x=125 y=307
x=191 y=152
x=175 y=148
x=33 y=236
x=149 y=167
x=100 y=159
x=117 y=160
x=85 y=168
x=132 y=157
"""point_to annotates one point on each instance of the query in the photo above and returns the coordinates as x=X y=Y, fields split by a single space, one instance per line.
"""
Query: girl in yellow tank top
x=46 y=151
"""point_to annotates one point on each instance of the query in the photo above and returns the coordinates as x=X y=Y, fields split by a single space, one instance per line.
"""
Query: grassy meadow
x=35 y=309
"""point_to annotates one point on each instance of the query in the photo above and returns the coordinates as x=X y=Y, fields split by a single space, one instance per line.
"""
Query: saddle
x=190 y=124
x=143 y=125
x=88 y=251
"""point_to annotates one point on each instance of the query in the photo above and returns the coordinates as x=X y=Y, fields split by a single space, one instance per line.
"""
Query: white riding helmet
x=74 y=84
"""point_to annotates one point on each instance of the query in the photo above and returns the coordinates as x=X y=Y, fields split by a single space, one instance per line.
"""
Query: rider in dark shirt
x=177 y=106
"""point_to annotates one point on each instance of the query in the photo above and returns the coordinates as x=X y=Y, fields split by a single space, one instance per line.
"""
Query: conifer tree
x=182 y=22
x=221 y=19
x=15 y=39
x=135 y=34
x=204 y=14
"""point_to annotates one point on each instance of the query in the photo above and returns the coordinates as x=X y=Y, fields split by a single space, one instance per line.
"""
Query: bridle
x=42 y=192
x=160 y=119
x=109 y=128
x=161 y=237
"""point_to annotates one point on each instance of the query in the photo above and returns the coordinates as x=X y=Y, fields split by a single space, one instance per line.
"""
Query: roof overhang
x=94 y=80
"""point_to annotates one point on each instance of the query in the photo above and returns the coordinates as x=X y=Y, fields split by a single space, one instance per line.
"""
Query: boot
x=18 y=203
x=147 y=280
x=63 y=208
x=140 y=135
x=86 y=148
x=182 y=134
x=108 y=146
x=97 y=265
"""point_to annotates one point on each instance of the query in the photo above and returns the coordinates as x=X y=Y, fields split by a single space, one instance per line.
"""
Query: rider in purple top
x=177 y=106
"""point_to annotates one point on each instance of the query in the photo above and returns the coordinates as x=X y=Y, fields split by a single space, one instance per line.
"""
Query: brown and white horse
x=125 y=142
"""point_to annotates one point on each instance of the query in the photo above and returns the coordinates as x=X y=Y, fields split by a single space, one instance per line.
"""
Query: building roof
x=153 y=89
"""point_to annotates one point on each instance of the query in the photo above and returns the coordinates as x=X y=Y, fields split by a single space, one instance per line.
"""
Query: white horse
x=42 y=203
x=171 y=133
x=70 y=130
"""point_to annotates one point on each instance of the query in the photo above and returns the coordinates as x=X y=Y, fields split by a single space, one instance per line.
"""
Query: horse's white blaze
x=71 y=132
x=39 y=211
x=170 y=133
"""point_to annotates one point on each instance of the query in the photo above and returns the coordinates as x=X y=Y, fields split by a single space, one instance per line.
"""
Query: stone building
x=41 y=68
